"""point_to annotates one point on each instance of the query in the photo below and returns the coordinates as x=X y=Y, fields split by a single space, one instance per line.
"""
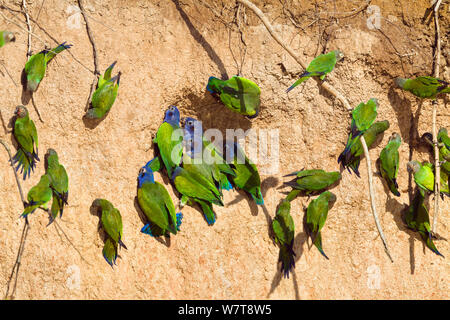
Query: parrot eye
x=172 y=108
x=190 y=123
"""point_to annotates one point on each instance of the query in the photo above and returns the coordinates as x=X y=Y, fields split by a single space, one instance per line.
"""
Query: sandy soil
x=166 y=51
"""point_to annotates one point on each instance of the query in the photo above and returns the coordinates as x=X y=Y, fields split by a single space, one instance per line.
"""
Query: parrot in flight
x=104 y=96
x=363 y=117
x=37 y=64
x=284 y=230
x=316 y=215
x=6 y=37
x=389 y=163
x=319 y=67
x=418 y=219
x=38 y=196
x=237 y=94
x=111 y=221
x=156 y=203
x=312 y=181
x=59 y=183
x=423 y=87
x=424 y=178
x=25 y=133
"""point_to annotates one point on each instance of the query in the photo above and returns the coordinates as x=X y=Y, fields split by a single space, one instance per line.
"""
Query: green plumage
x=424 y=87
x=170 y=150
x=313 y=181
x=424 y=177
x=38 y=196
x=59 y=183
x=284 y=231
x=316 y=215
x=389 y=163
x=6 y=37
x=237 y=94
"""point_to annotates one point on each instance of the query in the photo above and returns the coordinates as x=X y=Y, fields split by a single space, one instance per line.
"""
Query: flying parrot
x=112 y=224
x=6 y=37
x=157 y=205
x=37 y=64
x=389 y=163
x=38 y=196
x=59 y=183
x=169 y=143
x=246 y=173
x=418 y=219
x=313 y=181
x=424 y=177
x=284 y=230
x=26 y=136
x=316 y=215
x=423 y=87
x=363 y=117
x=319 y=67
x=105 y=94
x=238 y=94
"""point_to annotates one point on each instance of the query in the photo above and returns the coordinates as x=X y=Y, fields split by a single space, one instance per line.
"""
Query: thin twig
x=15 y=173
x=7 y=72
x=25 y=11
x=372 y=196
x=292 y=53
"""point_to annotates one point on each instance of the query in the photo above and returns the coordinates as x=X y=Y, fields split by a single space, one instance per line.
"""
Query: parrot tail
x=179 y=220
x=207 y=211
x=147 y=230
x=286 y=257
x=50 y=54
x=24 y=162
x=318 y=244
x=426 y=236
x=303 y=77
x=110 y=252
x=29 y=208
x=121 y=243
x=225 y=183
x=257 y=196
x=394 y=187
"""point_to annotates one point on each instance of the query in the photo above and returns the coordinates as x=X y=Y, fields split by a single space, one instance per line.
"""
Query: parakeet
x=26 y=136
x=424 y=177
x=59 y=183
x=246 y=173
x=112 y=224
x=105 y=94
x=443 y=137
x=319 y=67
x=38 y=196
x=417 y=219
x=363 y=117
x=316 y=215
x=444 y=151
x=313 y=181
x=6 y=37
x=284 y=230
x=389 y=163
x=238 y=94
x=423 y=87
x=157 y=205
x=37 y=64
x=169 y=138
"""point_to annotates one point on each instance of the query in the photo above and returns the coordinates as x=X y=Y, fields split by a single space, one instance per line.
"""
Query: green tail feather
x=207 y=211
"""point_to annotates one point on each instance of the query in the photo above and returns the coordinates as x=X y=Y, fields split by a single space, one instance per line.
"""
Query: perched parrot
x=417 y=219
x=424 y=177
x=59 y=183
x=37 y=64
x=238 y=94
x=313 y=181
x=38 y=196
x=444 y=151
x=284 y=230
x=389 y=163
x=316 y=215
x=168 y=141
x=25 y=134
x=319 y=67
x=105 y=94
x=443 y=137
x=6 y=37
x=112 y=224
x=157 y=205
x=423 y=87
x=363 y=117
x=246 y=173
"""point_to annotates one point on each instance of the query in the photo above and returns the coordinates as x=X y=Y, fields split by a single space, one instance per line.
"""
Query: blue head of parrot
x=146 y=174
x=172 y=116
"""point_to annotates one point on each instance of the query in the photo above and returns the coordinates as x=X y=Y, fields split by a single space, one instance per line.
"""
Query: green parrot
x=363 y=117
x=312 y=181
x=59 y=183
x=284 y=230
x=237 y=94
x=443 y=137
x=389 y=163
x=417 y=219
x=37 y=64
x=423 y=87
x=444 y=151
x=6 y=37
x=319 y=67
x=38 y=196
x=157 y=205
x=112 y=224
x=246 y=173
x=169 y=143
x=26 y=136
x=424 y=177
x=316 y=215
x=105 y=94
